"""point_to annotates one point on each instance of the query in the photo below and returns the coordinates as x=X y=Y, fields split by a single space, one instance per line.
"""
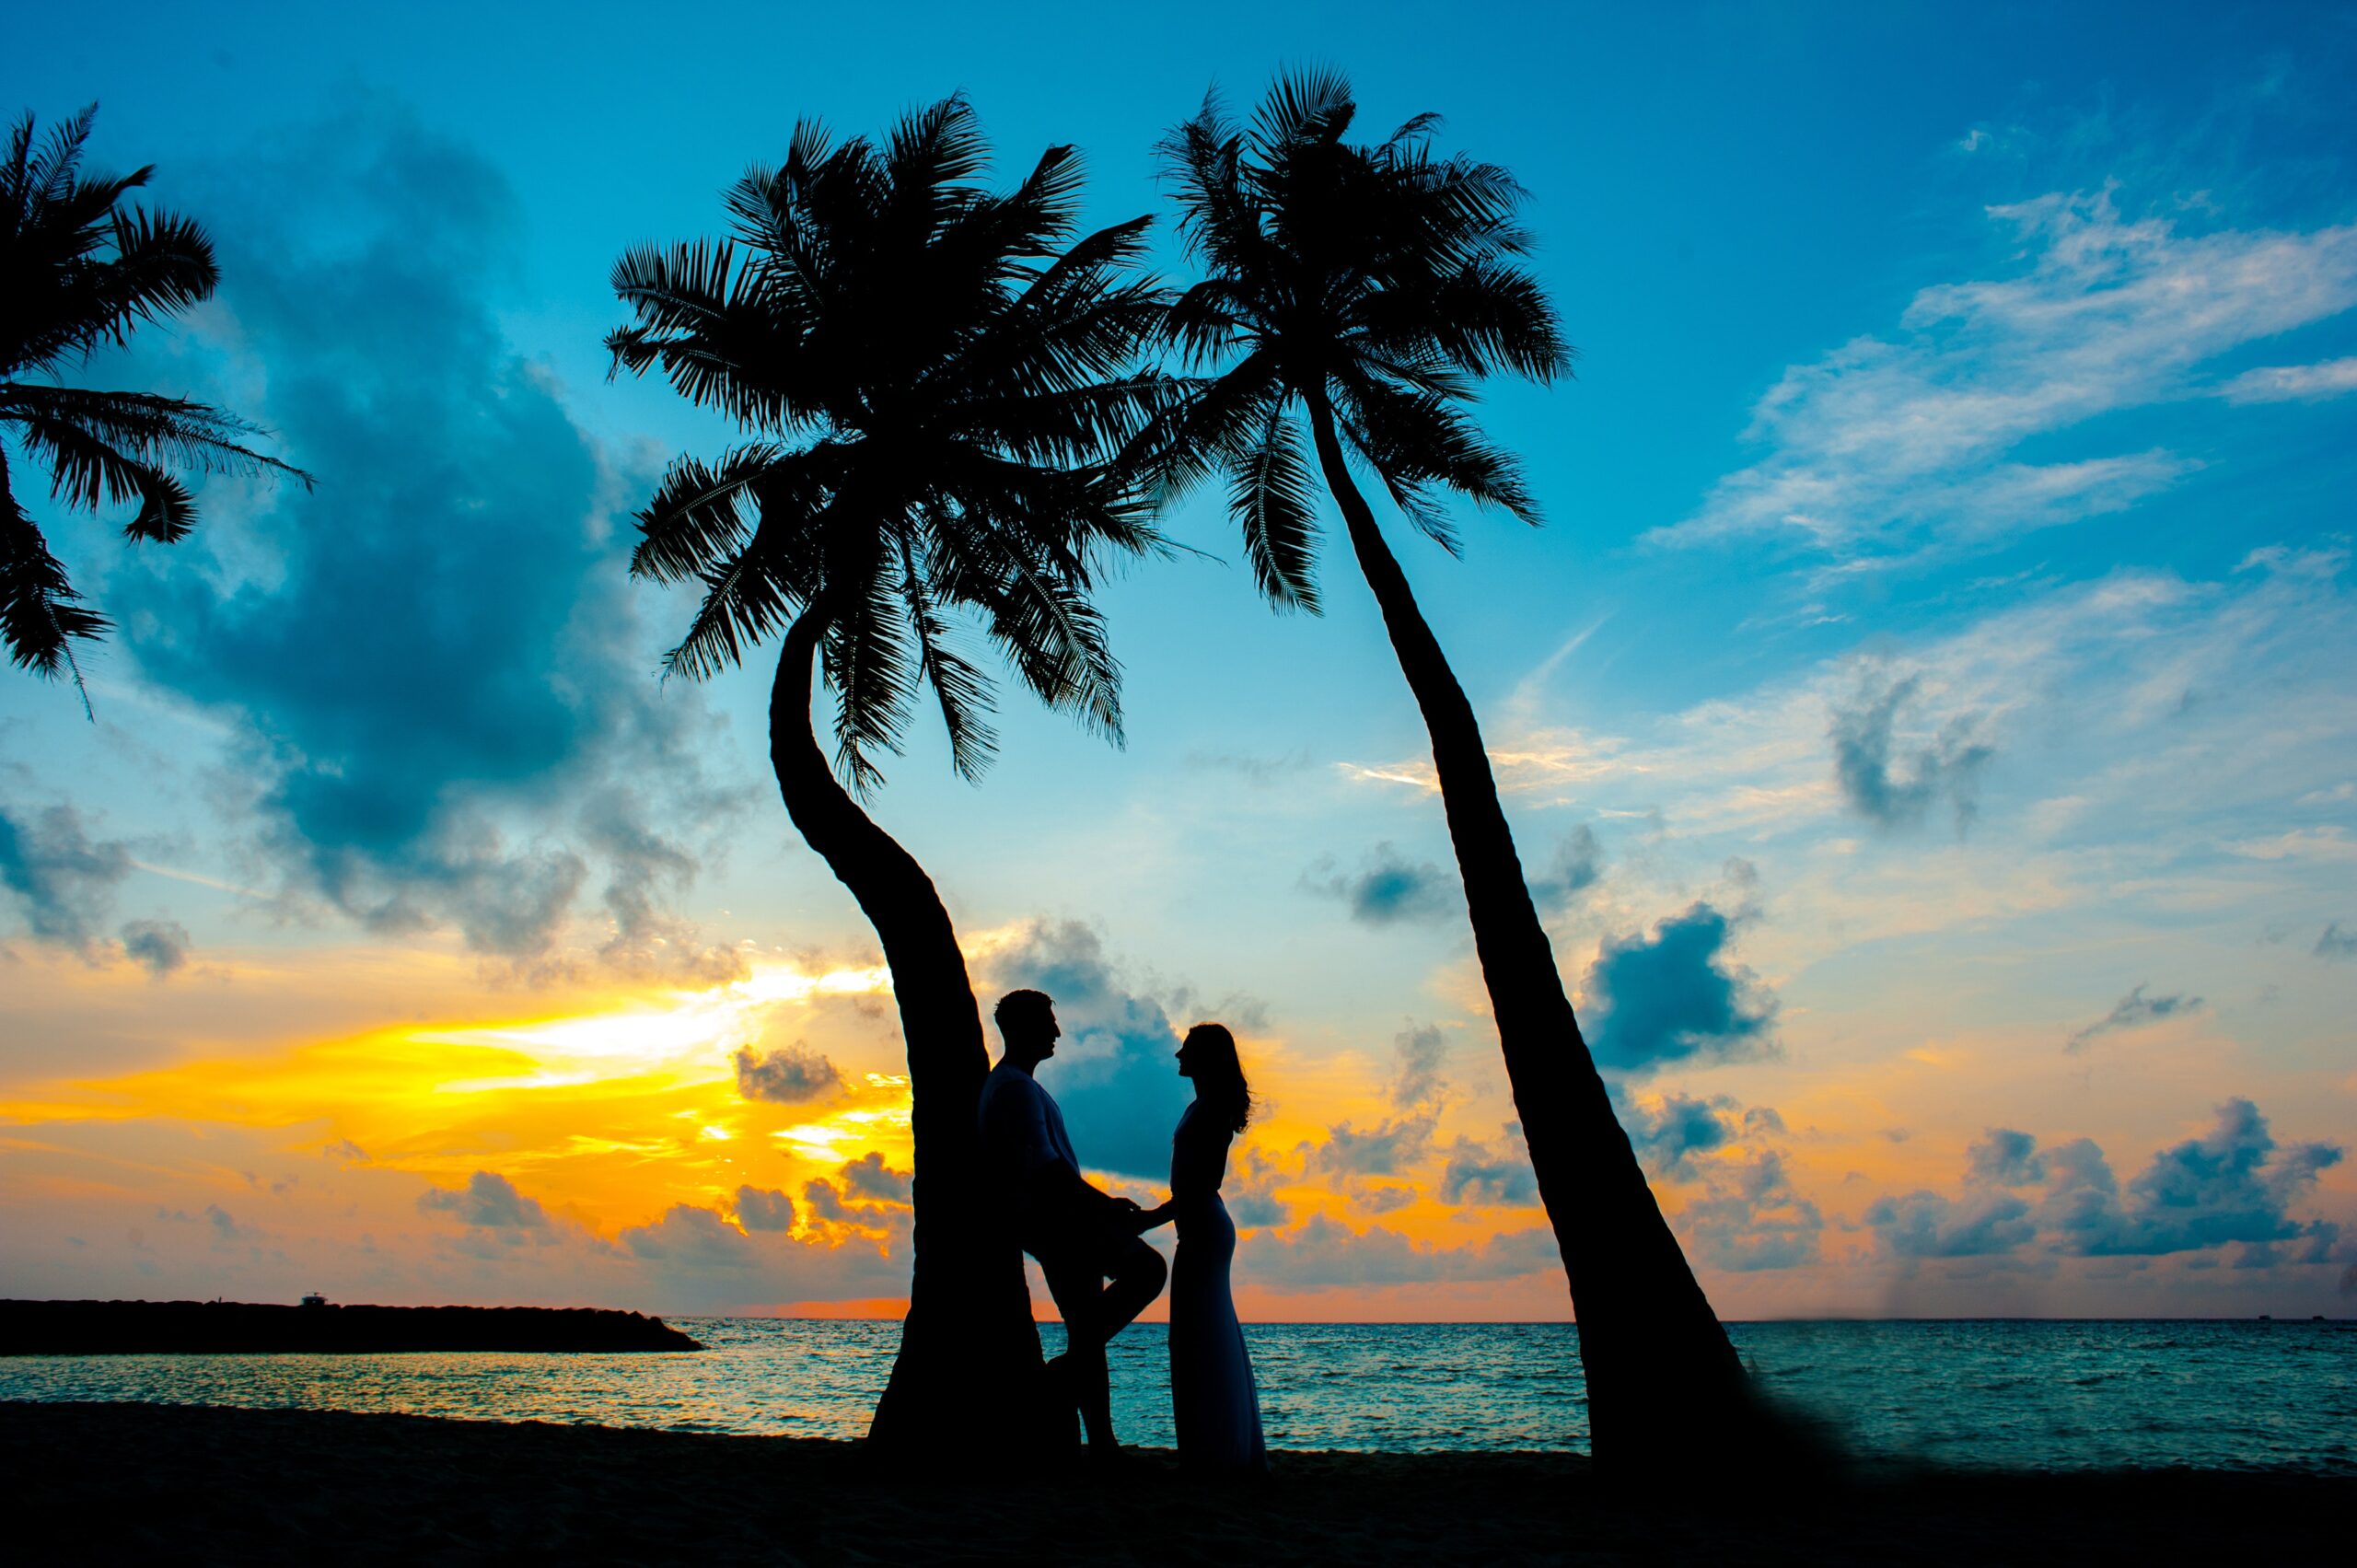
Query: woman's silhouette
x=1216 y=1407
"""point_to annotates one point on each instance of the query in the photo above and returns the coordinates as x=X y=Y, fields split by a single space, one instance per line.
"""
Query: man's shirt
x=1023 y=1133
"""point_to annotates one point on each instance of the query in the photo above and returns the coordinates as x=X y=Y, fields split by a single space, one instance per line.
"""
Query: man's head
x=1027 y=1021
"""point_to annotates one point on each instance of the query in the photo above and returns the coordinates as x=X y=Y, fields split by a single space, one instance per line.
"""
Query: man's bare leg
x=1094 y=1311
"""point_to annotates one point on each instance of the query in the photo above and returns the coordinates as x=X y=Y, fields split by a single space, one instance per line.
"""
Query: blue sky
x=1925 y=713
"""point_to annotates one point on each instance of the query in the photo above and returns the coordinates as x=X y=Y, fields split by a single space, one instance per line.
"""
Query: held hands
x=1139 y=1219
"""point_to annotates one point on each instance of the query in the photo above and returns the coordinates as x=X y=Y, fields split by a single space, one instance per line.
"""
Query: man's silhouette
x=1088 y=1242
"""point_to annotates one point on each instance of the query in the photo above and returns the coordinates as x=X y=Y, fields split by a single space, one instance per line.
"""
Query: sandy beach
x=113 y=1482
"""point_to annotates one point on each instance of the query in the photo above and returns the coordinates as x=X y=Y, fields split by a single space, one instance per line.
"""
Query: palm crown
x=1375 y=282
x=936 y=377
x=79 y=271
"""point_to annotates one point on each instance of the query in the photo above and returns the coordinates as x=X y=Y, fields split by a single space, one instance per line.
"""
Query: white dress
x=1211 y=1396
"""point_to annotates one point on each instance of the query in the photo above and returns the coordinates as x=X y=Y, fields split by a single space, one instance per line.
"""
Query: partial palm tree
x=79 y=270
x=1361 y=292
x=932 y=375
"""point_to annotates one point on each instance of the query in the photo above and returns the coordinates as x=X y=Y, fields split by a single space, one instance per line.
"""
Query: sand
x=100 y=1482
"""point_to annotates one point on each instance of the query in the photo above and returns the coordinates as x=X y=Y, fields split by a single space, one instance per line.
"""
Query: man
x=1101 y=1275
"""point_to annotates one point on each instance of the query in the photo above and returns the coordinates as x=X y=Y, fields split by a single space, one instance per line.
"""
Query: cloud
x=694 y=1257
x=1674 y=997
x=2232 y=1185
x=432 y=667
x=226 y=1228
x=1420 y=1051
x=788 y=1075
x=1389 y=1148
x=1250 y=1196
x=1481 y=1173
x=827 y=1205
x=159 y=945
x=1387 y=888
x=868 y=1177
x=345 y=1150
x=2131 y=1011
x=1668 y=1133
x=764 y=1208
x=697 y=1237
x=1925 y=1225
x=2335 y=943
x=2004 y=1159
x=1751 y=1219
x=1322 y=1254
x=649 y=940
x=1575 y=865
x=1946 y=766
x=1114 y=1074
x=489 y=1201
x=1259 y=771
x=2280 y=383
x=1888 y=444
x=63 y=881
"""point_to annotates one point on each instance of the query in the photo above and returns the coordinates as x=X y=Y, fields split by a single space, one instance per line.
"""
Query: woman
x=1212 y=1400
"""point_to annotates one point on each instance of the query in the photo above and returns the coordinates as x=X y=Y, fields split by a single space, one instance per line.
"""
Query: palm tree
x=932 y=375
x=78 y=269
x=1366 y=290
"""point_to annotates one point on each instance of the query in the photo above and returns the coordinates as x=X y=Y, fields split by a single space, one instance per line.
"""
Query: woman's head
x=1208 y=1056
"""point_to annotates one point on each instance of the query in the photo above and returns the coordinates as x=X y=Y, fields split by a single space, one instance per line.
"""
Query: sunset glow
x=1925 y=720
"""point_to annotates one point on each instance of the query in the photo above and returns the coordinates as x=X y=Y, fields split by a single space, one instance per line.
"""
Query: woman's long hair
x=1219 y=1076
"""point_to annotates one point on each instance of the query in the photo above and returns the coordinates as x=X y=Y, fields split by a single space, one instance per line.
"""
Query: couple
x=1089 y=1243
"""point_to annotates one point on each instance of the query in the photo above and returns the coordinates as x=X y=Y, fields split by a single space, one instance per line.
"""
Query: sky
x=1925 y=714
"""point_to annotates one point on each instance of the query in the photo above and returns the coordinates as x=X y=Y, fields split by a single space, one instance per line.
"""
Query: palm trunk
x=968 y=1376
x=1659 y=1368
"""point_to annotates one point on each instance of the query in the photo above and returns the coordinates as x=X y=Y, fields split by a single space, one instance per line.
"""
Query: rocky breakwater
x=219 y=1328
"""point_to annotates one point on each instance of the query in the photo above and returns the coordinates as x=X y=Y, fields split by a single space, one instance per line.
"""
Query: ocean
x=2016 y=1394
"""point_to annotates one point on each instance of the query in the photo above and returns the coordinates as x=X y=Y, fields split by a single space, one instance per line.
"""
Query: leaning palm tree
x=78 y=269
x=1363 y=291
x=932 y=375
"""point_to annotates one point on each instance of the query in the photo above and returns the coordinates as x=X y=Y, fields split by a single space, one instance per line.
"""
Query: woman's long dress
x=1211 y=1396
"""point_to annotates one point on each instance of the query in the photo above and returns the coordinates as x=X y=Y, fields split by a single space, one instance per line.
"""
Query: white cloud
x=1887 y=443
x=2280 y=383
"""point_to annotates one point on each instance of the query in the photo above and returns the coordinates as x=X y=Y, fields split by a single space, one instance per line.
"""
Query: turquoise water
x=2028 y=1395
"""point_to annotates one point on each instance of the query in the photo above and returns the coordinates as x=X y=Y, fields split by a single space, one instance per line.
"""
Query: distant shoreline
x=223 y=1327
x=199 y=1483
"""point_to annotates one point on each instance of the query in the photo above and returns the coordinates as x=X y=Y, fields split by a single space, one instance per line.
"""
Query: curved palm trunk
x=969 y=1377
x=1659 y=1367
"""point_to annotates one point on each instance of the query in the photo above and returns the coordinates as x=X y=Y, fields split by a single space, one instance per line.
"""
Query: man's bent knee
x=1139 y=1264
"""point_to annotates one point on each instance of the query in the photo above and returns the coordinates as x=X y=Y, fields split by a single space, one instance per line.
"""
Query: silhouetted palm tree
x=77 y=269
x=933 y=375
x=1365 y=290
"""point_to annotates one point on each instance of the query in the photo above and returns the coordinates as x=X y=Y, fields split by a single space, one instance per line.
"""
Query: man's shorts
x=1079 y=1261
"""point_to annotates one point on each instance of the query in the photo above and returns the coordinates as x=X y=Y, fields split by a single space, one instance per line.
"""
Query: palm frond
x=1416 y=440
x=866 y=664
x=1192 y=436
x=959 y=687
x=1269 y=495
x=147 y=427
x=41 y=615
x=697 y=516
x=163 y=264
x=1312 y=104
x=745 y=600
x=80 y=271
